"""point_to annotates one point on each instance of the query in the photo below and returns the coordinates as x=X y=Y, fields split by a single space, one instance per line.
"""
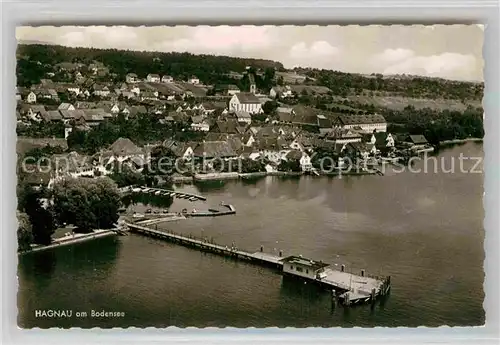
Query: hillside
x=120 y=62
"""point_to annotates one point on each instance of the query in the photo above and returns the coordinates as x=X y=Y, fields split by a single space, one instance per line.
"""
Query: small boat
x=149 y=210
x=156 y=212
x=172 y=194
x=136 y=190
x=193 y=198
x=158 y=192
x=165 y=211
x=137 y=215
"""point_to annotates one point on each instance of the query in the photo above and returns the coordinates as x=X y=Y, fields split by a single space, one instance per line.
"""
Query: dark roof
x=247 y=98
x=72 y=114
x=300 y=261
x=221 y=149
x=240 y=114
x=323 y=121
x=361 y=119
x=125 y=146
x=418 y=139
x=178 y=148
x=52 y=115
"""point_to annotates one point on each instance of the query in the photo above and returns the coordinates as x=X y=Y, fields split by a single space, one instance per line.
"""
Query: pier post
x=373 y=295
x=342 y=268
x=347 y=299
x=362 y=273
x=334 y=300
x=261 y=249
x=281 y=253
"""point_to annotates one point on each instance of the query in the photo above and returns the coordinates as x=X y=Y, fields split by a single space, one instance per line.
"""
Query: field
x=399 y=103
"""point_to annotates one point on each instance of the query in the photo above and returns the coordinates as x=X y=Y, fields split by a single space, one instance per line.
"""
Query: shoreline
x=65 y=241
x=245 y=176
x=460 y=141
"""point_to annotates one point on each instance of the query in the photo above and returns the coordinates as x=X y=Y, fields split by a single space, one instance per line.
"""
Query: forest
x=35 y=60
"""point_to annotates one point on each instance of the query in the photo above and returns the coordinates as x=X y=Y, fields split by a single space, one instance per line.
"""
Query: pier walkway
x=165 y=192
x=352 y=288
x=205 y=245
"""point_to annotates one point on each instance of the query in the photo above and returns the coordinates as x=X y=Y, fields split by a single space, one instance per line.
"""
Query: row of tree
x=417 y=87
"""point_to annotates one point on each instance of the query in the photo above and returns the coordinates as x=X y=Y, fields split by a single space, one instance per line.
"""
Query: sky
x=446 y=51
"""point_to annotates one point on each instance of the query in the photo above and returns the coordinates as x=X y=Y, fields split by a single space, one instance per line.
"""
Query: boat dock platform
x=225 y=210
x=347 y=288
x=164 y=192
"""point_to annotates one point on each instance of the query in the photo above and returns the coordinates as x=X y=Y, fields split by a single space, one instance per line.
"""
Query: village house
x=199 y=123
x=243 y=116
x=232 y=89
x=182 y=150
x=101 y=90
x=123 y=149
x=34 y=112
x=131 y=78
x=194 y=80
x=417 y=141
x=214 y=149
x=367 y=123
x=281 y=92
x=302 y=157
x=149 y=95
x=343 y=136
x=245 y=101
x=383 y=141
x=52 y=116
x=31 y=97
x=65 y=106
x=248 y=139
x=153 y=78
x=361 y=150
x=167 y=79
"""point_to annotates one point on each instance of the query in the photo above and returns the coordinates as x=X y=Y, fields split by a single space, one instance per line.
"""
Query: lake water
x=423 y=229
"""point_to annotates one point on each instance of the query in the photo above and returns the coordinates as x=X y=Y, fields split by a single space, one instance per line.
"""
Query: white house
x=382 y=139
x=115 y=109
x=281 y=92
x=167 y=79
x=245 y=101
x=102 y=91
x=31 y=98
x=299 y=266
x=75 y=89
x=194 y=80
x=153 y=78
x=200 y=124
x=303 y=158
x=136 y=90
x=367 y=123
x=131 y=78
x=66 y=106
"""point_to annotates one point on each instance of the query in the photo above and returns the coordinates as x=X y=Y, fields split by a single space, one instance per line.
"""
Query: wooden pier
x=208 y=246
x=164 y=192
x=347 y=288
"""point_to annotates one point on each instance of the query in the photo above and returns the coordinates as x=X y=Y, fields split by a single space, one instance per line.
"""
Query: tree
x=24 y=232
x=41 y=218
x=270 y=107
x=86 y=203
